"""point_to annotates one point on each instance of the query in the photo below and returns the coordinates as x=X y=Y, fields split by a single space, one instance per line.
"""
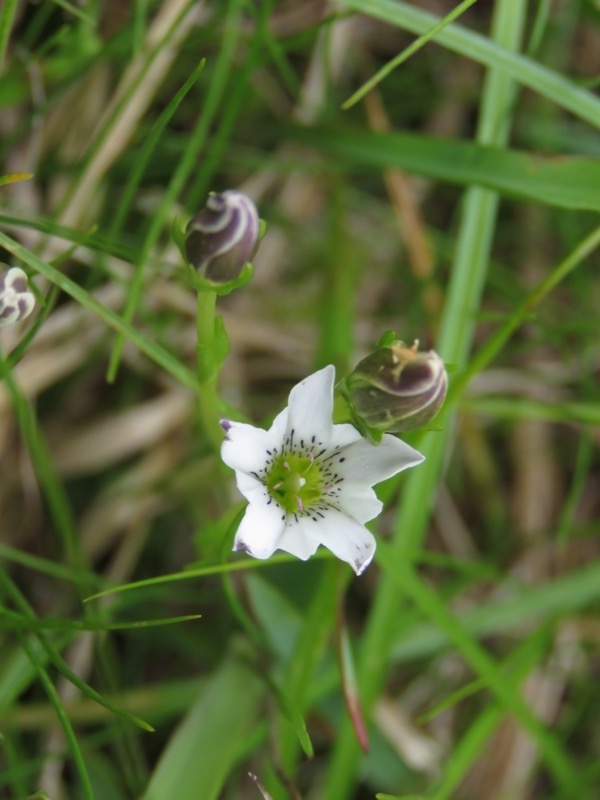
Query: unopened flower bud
x=16 y=301
x=223 y=237
x=396 y=388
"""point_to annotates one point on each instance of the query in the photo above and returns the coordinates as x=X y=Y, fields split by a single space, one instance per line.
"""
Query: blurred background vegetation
x=457 y=203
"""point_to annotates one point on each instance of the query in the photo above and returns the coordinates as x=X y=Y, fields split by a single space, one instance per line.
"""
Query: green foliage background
x=457 y=203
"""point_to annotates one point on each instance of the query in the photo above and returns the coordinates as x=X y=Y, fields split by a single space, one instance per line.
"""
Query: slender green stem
x=208 y=399
x=406 y=53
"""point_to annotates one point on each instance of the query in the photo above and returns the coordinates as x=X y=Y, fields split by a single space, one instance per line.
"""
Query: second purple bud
x=223 y=237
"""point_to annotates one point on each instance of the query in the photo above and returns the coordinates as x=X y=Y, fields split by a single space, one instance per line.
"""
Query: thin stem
x=208 y=399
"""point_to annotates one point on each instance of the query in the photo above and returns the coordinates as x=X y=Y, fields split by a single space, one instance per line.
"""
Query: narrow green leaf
x=202 y=752
x=46 y=566
x=202 y=572
x=562 y=181
x=523 y=70
x=154 y=351
x=62 y=715
x=9 y=620
x=565 y=595
x=7 y=16
x=54 y=656
x=425 y=599
x=407 y=53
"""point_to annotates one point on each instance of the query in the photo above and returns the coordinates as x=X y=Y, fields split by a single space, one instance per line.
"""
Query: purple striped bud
x=396 y=388
x=16 y=301
x=223 y=237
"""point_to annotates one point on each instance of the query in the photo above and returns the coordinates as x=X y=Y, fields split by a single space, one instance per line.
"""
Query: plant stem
x=208 y=399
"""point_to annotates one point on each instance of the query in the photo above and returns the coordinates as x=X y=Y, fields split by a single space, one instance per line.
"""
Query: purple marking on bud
x=222 y=237
x=398 y=388
x=16 y=302
x=225 y=424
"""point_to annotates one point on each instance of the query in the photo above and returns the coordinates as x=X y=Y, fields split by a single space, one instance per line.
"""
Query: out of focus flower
x=16 y=301
x=309 y=482
x=397 y=388
x=223 y=237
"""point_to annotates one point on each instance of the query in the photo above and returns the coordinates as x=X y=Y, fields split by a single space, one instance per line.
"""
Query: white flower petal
x=311 y=407
x=343 y=435
x=359 y=502
x=277 y=430
x=298 y=541
x=252 y=489
x=347 y=539
x=247 y=448
x=367 y=464
x=260 y=529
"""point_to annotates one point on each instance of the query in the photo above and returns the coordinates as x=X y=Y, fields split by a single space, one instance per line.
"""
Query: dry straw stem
x=131 y=100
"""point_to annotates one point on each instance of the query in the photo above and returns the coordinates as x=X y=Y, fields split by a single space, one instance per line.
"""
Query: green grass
x=435 y=176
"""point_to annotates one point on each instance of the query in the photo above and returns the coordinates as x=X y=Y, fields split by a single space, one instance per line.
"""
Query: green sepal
x=202 y=284
x=343 y=408
x=386 y=339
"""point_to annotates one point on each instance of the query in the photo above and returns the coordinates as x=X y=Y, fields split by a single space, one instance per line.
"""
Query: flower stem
x=208 y=399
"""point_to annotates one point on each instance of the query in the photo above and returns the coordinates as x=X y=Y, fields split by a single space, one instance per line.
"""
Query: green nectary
x=295 y=481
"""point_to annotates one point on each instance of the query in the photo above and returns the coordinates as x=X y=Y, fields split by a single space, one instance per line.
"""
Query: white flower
x=308 y=482
x=16 y=302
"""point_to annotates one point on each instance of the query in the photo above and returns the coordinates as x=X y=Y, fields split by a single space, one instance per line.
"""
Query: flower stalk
x=208 y=399
x=217 y=245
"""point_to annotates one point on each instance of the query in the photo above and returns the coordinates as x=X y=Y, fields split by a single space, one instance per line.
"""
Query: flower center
x=295 y=481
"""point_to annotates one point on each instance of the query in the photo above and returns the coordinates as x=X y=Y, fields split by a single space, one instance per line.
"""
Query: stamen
x=278 y=485
x=286 y=465
x=300 y=506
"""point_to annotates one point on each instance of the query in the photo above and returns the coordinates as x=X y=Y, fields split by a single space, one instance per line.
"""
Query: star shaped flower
x=309 y=482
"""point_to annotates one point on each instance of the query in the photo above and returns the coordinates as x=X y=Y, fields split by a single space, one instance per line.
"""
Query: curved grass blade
x=406 y=54
x=62 y=715
x=12 y=591
x=202 y=572
x=154 y=351
x=10 y=620
x=46 y=566
x=203 y=750
x=562 y=181
x=135 y=287
x=427 y=602
x=523 y=70
x=7 y=16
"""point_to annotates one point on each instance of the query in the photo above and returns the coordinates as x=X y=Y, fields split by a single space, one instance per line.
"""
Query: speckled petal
x=260 y=529
x=311 y=407
x=347 y=539
x=249 y=449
